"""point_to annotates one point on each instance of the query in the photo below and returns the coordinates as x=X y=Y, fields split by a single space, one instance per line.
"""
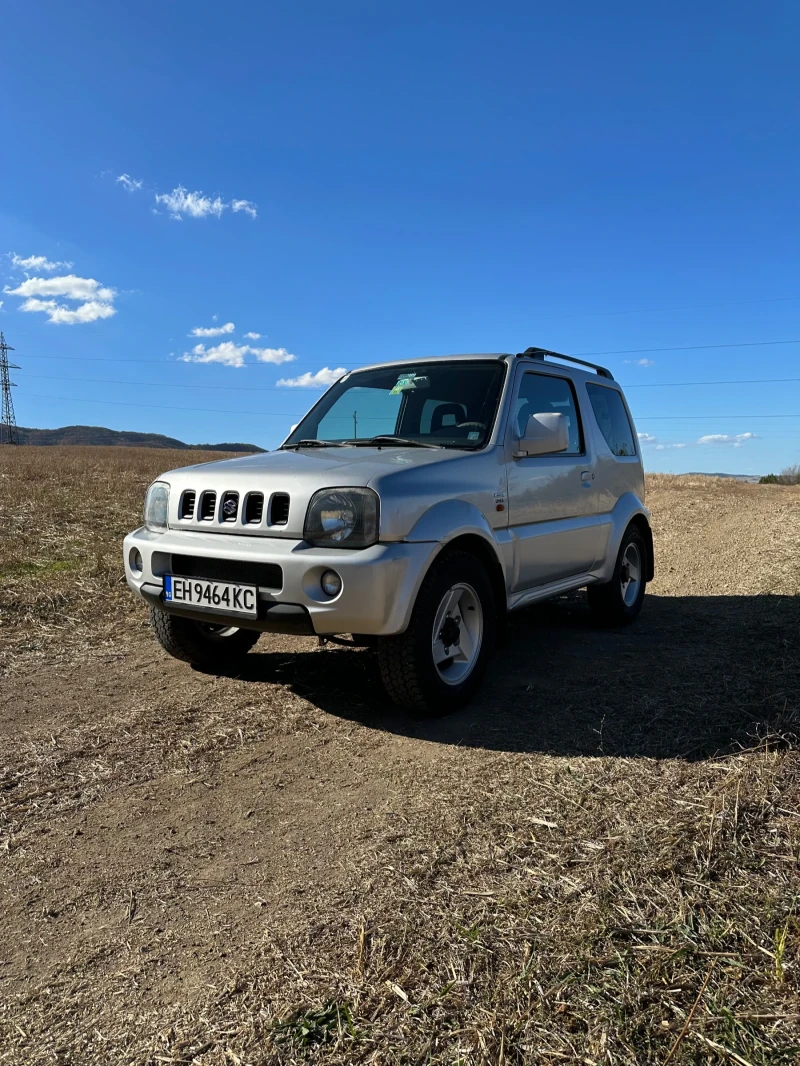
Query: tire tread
x=605 y=600
x=399 y=657
x=179 y=639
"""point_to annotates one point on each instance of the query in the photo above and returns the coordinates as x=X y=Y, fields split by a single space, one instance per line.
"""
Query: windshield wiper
x=314 y=443
x=369 y=442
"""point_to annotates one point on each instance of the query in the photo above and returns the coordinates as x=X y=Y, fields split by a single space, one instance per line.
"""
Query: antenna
x=8 y=423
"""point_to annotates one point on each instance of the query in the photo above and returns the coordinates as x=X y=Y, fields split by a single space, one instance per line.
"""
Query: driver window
x=540 y=393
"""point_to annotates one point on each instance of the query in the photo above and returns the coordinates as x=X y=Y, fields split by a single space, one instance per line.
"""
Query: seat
x=453 y=412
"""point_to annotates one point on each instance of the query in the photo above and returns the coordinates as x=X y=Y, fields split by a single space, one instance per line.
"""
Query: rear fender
x=628 y=508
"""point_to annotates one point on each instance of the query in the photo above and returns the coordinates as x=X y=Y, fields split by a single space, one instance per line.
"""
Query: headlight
x=156 y=507
x=342 y=518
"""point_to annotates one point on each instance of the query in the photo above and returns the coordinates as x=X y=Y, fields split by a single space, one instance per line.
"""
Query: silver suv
x=412 y=508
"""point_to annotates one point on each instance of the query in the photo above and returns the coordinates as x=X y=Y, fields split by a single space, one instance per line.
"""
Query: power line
x=683 y=418
x=172 y=407
x=565 y=309
x=291 y=389
x=730 y=381
x=687 y=348
x=693 y=307
x=159 y=407
x=314 y=362
x=282 y=414
x=176 y=385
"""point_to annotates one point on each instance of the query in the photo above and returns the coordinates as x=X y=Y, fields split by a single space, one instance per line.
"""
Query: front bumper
x=379 y=584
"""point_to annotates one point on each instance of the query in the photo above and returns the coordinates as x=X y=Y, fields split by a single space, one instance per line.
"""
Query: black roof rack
x=540 y=353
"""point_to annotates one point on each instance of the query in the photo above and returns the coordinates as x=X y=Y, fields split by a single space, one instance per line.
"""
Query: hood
x=297 y=474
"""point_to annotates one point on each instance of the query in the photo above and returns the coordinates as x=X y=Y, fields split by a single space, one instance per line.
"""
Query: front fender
x=450 y=519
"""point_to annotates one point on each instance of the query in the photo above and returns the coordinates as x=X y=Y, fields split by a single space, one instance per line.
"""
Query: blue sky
x=362 y=181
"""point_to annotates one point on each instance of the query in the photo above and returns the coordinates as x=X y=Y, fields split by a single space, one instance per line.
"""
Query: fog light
x=137 y=564
x=331 y=583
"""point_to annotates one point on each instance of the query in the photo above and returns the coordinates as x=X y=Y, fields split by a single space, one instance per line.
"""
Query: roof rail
x=540 y=353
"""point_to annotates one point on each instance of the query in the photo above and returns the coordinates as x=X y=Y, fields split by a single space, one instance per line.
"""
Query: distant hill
x=737 y=477
x=122 y=438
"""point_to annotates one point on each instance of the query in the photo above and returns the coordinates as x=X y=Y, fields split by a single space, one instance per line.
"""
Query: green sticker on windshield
x=405 y=381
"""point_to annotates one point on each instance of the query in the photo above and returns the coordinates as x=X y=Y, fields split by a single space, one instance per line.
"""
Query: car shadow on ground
x=695 y=676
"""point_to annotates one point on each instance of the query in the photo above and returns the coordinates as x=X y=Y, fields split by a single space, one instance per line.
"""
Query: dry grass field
x=595 y=863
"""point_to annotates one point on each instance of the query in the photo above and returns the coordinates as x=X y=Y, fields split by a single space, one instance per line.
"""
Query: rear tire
x=437 y=665
x=618 y=602
x=211 y=647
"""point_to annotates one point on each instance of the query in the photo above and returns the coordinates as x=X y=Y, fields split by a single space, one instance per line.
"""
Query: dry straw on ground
x=596 y=863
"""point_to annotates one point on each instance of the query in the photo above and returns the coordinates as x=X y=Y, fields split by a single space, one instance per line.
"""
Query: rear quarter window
x=612 y=418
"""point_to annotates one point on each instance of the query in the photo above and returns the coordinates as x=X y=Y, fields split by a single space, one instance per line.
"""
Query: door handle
x=587 y=475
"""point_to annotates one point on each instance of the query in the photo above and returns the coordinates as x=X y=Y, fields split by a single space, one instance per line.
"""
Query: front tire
x=618 y=602
x=437 y=665
x=203 y=644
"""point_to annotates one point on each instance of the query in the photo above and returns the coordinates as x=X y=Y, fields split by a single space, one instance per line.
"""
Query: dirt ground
x=595 y=862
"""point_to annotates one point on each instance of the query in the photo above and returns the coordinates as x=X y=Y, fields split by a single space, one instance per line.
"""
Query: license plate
x=211 y=595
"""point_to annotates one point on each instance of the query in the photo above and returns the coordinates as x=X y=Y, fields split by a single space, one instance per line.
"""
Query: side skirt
x=546 y=592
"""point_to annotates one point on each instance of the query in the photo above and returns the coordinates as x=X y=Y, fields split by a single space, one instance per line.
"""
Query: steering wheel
x=471 y=425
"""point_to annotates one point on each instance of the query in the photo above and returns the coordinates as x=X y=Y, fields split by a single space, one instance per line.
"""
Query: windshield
x=449 y=404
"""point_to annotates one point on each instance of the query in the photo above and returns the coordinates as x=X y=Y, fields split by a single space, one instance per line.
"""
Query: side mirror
x=545 y=433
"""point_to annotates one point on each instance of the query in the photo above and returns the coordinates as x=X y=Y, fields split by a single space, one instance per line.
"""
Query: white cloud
x=321 y=380
x=37 y=262
x=273 y=355
x=736 y=440
x=228 y=353
x=93 y=299
x=69 y=285
x=253 y=336
x=60 y=314
x=642 y=362
x=648 y=438
x=181 y=203
x=214 y=331
x=129 y=183
x=245 y=205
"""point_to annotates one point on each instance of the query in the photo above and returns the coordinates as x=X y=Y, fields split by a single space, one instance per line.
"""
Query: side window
x=612 y=418
x=539 y=393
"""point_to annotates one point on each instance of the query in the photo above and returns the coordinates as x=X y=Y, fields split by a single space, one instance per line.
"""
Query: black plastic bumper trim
x=290 y=618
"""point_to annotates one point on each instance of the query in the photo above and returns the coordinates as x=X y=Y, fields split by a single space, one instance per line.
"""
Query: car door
x=552 y=499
